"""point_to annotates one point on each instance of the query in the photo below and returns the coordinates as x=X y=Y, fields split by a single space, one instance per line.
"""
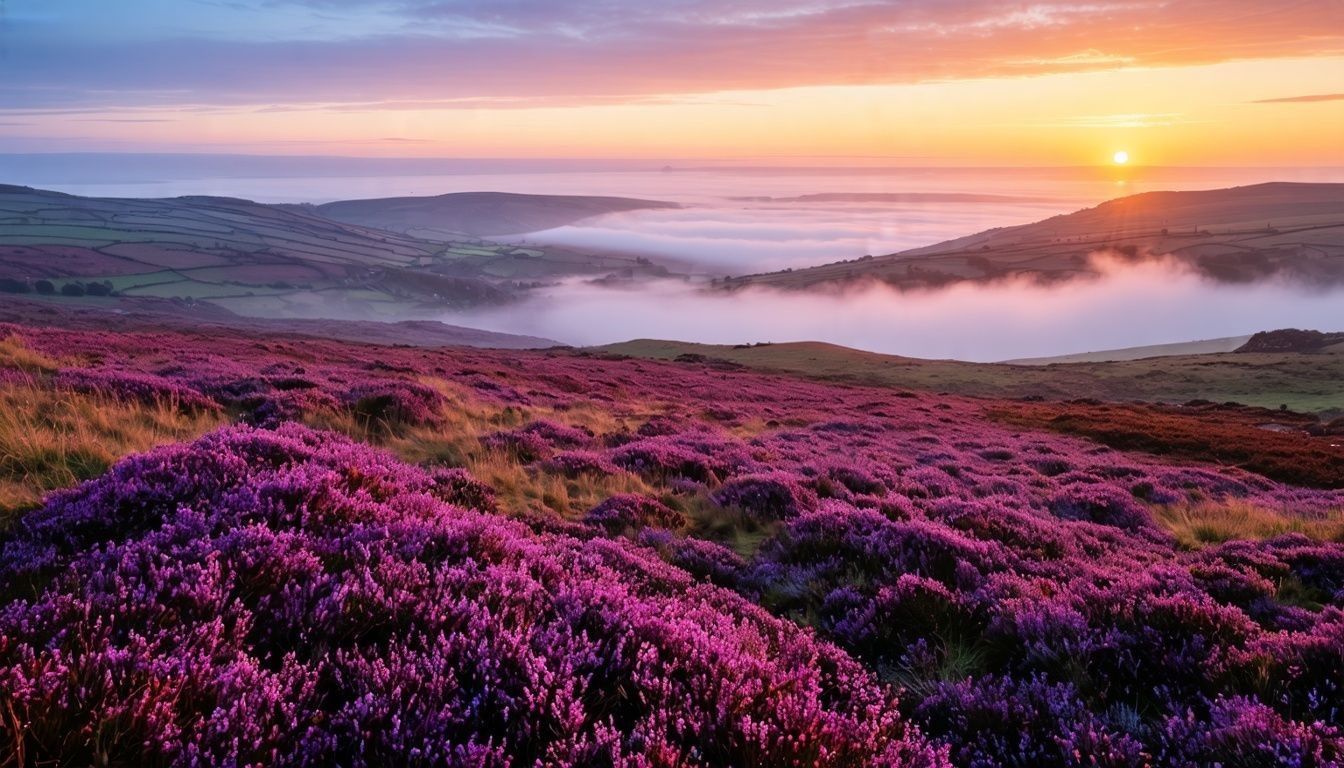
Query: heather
x=548 y=556
x=291 y=597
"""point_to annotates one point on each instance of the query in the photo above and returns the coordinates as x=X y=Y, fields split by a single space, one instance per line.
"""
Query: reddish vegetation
x=21 y=261
x=1233 y=435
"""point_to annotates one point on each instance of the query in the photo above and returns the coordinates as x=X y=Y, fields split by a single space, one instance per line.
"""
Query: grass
x=15 y=354
x=1306 y=383
x=1200 y=525
x=52 y=439
x=457 y=441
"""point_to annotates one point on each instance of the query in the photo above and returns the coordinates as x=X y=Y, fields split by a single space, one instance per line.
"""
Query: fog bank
x=735 y=237
x=1127 y=306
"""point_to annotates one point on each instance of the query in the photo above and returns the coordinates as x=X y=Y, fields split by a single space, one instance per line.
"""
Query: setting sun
x=1120 y=157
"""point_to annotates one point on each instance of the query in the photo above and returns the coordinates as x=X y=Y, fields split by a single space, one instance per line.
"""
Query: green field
x=1308 y=383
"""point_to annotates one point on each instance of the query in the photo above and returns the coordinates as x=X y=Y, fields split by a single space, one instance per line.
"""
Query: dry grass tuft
x=1199 y=525
x=15 y=354
x=53 y=439
x=457 y=441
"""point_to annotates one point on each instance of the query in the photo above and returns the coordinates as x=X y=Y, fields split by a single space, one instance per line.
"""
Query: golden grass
x=1207 y=523
x=53 y=439
x=457 y=441
x=15 y=354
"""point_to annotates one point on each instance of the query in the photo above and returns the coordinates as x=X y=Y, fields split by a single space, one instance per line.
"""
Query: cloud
x=1302 y=99
x=526 y=52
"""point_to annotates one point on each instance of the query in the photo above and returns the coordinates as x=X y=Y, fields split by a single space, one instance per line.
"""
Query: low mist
x=728 y=237
x=1126 y=305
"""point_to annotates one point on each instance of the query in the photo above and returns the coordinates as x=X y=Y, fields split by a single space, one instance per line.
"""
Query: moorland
x=242 y=546
x=232 y=539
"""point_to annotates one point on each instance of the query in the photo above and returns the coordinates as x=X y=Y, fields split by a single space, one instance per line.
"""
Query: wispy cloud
x=463 y=52
x=1127 y=120
x=1302 y=99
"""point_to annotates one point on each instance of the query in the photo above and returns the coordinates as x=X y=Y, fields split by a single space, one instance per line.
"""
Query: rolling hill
x=475 y=213
x=263 y=260
x=1302 y=382
x=1239 y=234
x=146 y=314
x=1201 y=347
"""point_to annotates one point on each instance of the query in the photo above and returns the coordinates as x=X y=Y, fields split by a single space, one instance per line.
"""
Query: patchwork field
x=265 y=260
x=352 y=553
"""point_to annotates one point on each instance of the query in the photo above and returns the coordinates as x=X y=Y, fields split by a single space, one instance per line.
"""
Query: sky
x=907 y=82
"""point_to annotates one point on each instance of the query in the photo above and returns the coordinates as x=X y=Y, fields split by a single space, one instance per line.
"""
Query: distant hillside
x=1202 y=347
x=900 y=197
x=127 y=314
x=263 y=260
x=1240 y=234
x=1306 y=383
x=1293 y=340
x=476 y=213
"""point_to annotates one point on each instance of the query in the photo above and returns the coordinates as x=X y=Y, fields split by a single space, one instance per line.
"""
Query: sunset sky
x=960 y=82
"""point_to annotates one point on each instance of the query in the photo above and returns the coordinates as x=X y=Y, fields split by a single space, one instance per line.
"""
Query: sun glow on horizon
x=1120 y=157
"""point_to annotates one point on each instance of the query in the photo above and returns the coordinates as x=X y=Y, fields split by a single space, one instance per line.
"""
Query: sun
x=1121 y=157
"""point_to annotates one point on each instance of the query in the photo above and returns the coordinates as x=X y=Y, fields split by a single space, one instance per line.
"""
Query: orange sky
x=963 y=83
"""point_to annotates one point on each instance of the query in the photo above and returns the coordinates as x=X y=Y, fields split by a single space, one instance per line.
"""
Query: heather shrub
x=702 y=559
x=879 y=628
x=632 y=511
x=700 y=457
x=857 y=479
x=573 y=464
x=537 y=440
x=394 y=401
x=1243 y=732
x=274 y=407
x=525 y=447
x=134 y=387
x=1102 y=504
x=456 y=486
x=766 y=497
x=659 y=426
x=1161 y=642
x=197 y=602
x=1006 y=723
x=839 y=546
x=1013 y=583
x=559 y=435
